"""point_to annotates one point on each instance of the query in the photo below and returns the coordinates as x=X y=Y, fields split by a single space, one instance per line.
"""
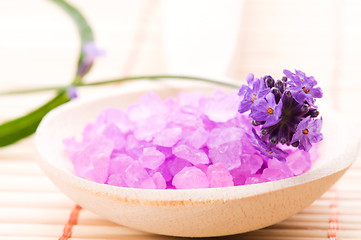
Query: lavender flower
x=251 y=93
x=302 y=87
x=307 y=132
x=284 y=110
x=266 y=110
x=265 y=148
x=91 y=52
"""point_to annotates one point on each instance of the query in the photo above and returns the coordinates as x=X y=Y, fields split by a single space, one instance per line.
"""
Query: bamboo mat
x=320 y=37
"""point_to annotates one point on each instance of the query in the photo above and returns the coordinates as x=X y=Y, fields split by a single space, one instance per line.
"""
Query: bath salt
x=192 y=141
x=190 y=177
x=219 y=176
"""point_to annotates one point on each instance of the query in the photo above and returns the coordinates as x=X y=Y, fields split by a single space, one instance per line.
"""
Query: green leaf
x=16 y=129
x=19 y=128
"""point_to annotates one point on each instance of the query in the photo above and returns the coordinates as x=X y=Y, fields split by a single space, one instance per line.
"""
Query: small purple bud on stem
x=312 y=112
x=295 y=144
x=280 y=85
x=257 y=123
x=269 y=81
x=277 y=94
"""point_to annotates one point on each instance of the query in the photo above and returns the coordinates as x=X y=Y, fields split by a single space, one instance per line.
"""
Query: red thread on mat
x=73 y=220
x=334 y=218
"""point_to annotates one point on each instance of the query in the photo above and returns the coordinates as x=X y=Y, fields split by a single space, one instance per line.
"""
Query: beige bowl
x=193 y=212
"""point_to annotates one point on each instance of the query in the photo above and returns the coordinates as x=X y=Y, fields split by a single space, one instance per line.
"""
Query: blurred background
x=39 y=43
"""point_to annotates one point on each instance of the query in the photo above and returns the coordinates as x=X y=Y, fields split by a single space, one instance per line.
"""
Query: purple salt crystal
x=175 y=165
x=113 y=133
x=168 y=137
x=219 y=136
x=190 y=99
x=314 y=154
x=299 y=162
x=171 y=105
x=239 y=176
x=202 y=167
x=71 y=146
x=160 y=144
x=247 y=145
x=273 y=174
x=151 y=158
x=119 y=164
x=251 y=162
x=219 y=176
x=228 y=154
x=90 y=132
x=91 y=160
x=147 y=128
x=257 y=178
x=159 y=181
x=242 y=122
x=275 y=164
x=134 y=148
x=197 y=138
x=170 y=186
x=137 y=177
x=221 y=107
x=164 y=170
x=190 y=178
x=131 y=144
x=147 y=106
x=186 y=120
x=194 y=156
x=167 y=151
x=117 y=117
x=116 y=180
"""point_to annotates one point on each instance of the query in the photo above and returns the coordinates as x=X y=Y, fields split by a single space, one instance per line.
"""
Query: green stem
x=16 y=129
x=160 y=77
x=84 y=29
x=150 y=77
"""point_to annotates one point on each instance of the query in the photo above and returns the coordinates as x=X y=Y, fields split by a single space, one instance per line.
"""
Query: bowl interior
x=336 y=151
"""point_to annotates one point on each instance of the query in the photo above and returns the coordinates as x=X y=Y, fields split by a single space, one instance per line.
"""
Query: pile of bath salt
x=192 y=141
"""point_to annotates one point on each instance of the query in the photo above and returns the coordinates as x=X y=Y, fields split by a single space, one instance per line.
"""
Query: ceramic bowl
x=192 y=212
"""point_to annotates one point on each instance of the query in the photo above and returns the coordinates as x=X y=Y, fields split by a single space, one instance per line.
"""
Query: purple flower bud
x=71 y=92
x=280 y=85
x=91 y=52
x=269 y=81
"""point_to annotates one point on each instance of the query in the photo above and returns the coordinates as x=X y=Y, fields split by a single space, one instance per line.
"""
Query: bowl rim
x=182 y=196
